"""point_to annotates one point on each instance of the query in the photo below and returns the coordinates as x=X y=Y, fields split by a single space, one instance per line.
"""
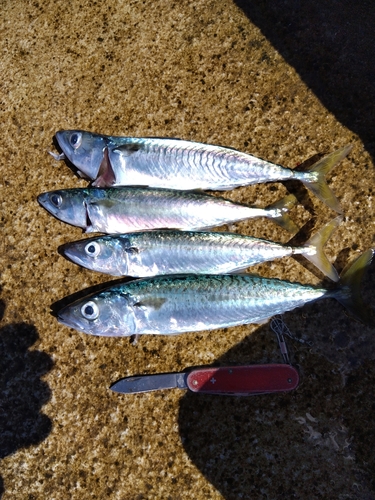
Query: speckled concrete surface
x=201 y=71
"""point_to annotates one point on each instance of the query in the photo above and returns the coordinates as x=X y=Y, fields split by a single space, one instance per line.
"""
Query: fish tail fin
x=278 y=212
x=313 y=251
x=321 y=168
x=348 y=292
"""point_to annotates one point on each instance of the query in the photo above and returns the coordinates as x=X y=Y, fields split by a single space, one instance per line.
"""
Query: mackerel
x=183 y=165
x=176 y=252
x=127 y=209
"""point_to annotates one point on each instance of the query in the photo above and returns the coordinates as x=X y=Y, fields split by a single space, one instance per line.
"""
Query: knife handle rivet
x=195 y=382
x=289 y=380
x=230 y=371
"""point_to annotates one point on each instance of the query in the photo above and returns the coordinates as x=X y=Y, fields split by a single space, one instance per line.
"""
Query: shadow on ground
x=315 y=442
x=332 y=47
x=22 y=393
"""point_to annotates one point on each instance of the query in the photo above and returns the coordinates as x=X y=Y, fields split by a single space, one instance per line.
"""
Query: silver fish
x=121 y=210
x=153 y=253
x=183 y=165
x=187 y=303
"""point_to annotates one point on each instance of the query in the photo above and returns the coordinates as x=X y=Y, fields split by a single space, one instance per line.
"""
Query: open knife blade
x=224 y=380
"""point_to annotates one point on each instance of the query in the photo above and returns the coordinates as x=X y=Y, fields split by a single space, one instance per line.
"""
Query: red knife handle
x=243 y=380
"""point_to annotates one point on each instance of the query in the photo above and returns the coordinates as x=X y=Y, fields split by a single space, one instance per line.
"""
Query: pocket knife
x=224 y=380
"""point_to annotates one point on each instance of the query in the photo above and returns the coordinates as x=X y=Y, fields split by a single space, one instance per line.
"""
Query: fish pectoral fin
x=100 y=204
x=132 y=250
x=151 y=303
x=89 y=228
x=127 y=149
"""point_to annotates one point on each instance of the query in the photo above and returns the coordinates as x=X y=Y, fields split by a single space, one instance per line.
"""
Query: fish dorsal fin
x=89 y=227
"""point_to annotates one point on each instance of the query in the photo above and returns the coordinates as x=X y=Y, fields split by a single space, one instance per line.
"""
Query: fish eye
x=75 y=140
x=92 y=249
x=56 y=200
x=90 y=310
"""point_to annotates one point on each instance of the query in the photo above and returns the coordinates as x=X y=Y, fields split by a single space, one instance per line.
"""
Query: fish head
x=104 y=254
x=84 y=149
x=108 y=314
x=67 y=205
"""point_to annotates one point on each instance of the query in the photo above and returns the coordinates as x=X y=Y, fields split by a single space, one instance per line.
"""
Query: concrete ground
x=280 y=80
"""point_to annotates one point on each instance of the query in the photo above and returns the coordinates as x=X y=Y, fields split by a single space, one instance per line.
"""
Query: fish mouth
x=44 y=201
x=63 y=141
x=61 y=138
x=65 y=322
x=67 y=319
x=62 y=315
x=42 y=198
x=70 y=322
x=61 y=320
x=68 y=252
x=74 y=252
